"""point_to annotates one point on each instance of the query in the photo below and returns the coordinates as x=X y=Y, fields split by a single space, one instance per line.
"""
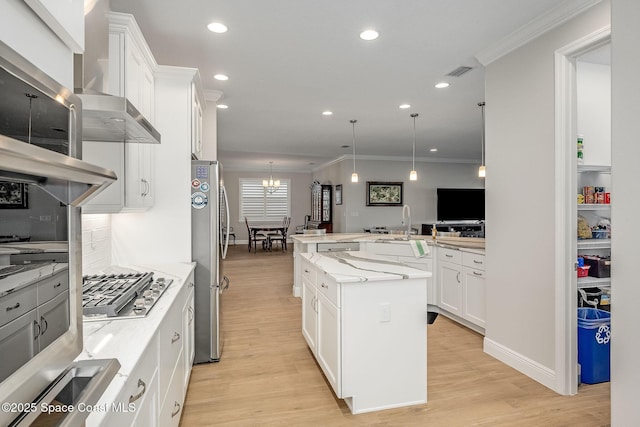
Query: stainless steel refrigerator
x=209 y=243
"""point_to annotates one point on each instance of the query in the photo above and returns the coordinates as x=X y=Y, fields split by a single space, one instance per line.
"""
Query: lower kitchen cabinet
x=462 y=287
x=188 y=332
x=328 y=349
x=309 y=313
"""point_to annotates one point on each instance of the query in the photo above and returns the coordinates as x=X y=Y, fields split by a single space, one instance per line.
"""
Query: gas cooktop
x=120 y=296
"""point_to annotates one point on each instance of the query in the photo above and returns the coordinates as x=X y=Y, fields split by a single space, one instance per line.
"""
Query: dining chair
x=255 y=237
x=280 y=235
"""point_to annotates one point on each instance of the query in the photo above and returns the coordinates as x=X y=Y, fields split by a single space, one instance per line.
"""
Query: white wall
x=96 y=243
x=163 y=233
x=625 y=341
x=354 y=215
x=520 y=156
x=593 y=87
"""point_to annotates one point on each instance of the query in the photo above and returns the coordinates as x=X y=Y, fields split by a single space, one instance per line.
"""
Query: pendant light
x=482 y=169
x=270 y=184
x=413 y=175
x=354 y=175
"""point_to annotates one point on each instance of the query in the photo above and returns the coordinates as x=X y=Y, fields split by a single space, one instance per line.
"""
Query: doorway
x=572 y=121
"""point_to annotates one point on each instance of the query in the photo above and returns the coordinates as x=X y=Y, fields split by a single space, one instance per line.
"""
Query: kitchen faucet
x=406 y=215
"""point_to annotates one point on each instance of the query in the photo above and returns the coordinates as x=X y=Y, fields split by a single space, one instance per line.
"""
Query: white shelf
x=591 y=282
x=593 y=206
x=594 y=244
x=594 y=168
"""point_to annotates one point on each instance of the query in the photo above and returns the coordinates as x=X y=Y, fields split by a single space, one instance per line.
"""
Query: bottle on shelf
x=580 y=149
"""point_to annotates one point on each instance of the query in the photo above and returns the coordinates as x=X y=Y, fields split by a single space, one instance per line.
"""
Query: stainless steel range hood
x=114 y=119
x=110 y=118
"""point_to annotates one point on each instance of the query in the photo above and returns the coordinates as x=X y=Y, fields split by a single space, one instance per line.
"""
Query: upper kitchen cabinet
x=131 y=64
x=196 y=120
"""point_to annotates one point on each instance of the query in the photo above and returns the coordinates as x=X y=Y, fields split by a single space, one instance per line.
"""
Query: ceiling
x=290 y=60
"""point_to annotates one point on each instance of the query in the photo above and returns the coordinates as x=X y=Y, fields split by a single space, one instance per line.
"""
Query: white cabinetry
x=188 y=331
x=358 y=333
x=131 y=75
x=462 y=287
x=474 y=289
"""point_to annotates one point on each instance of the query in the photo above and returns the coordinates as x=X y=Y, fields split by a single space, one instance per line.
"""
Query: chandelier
x=271 y=185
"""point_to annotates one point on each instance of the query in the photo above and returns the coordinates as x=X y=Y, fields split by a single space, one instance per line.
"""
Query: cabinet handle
x=477 y=262
x=57 y=285
x=191 y=284
x=458 y=277
x=36 y=330
x=477 y=274
x=322 y=285
x=190 y=314
x=14 y=307
x=176 y=405
x=306 y=271
x=176 y=337
x=43 y=322
x=448 y=256
x=137 y=396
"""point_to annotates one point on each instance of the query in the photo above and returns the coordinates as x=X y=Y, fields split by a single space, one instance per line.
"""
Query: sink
x=80 y=384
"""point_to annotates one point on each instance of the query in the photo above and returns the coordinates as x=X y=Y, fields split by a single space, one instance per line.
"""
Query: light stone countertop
x=127 y=339
x=360 y=266
x=470 y=244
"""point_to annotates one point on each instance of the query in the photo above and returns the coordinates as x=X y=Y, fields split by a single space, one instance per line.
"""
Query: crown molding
x=540 y=25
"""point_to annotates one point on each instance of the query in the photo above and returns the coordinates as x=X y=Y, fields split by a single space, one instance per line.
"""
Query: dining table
x=257 y=226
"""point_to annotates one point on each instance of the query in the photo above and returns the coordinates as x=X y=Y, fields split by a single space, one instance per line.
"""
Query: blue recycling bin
x=594 y=345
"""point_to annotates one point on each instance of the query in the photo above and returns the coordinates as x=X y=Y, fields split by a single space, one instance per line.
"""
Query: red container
x=583 y=271
x=607 y=198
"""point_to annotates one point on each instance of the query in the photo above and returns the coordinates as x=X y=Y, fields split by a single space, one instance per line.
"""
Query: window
x=258 y=205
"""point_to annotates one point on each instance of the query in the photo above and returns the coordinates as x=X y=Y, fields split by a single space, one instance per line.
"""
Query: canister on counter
x=607 y=198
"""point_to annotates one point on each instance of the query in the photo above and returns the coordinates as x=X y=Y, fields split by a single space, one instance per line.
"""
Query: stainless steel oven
x=42 y=186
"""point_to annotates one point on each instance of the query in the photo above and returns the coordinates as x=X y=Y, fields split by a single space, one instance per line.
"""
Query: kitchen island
x=364 y=319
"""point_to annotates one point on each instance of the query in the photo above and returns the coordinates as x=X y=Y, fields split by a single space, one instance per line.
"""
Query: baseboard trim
x=532 y=369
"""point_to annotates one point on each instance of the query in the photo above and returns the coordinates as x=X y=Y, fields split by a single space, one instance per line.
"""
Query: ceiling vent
x=459 y=71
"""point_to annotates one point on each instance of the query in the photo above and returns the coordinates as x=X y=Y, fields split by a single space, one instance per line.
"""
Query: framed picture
x=339 y=194
x=384 y=193
x=13 y=195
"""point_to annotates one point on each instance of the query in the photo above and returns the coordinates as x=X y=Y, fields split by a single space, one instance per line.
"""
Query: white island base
x=364 y=318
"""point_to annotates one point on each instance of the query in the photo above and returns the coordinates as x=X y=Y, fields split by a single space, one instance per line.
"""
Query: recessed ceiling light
x=217 y=27
x=442 y=85
x=222 y=106
x=369 y=35
x=221 y=77
x=327 y=113
x=433 y=150
x=404 y=106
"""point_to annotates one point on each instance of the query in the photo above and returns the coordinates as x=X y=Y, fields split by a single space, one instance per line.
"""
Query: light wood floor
x=268 y=376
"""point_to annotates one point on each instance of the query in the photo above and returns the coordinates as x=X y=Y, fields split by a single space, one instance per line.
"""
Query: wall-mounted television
x=460 y=204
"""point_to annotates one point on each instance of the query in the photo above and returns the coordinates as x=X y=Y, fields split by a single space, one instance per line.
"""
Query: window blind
x=259 y=205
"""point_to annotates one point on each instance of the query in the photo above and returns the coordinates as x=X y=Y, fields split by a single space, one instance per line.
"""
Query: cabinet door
x=450 y=279
x=54 y=319
x=474 y=296
x=18 y=343
x=111 y=156
x=328 y=343
x=139 y=176
x=188 y=333
x=309 y=315
x=172 y=407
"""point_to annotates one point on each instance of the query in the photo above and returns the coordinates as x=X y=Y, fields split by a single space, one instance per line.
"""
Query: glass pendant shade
x=354 y=177
x=482 y=171
x=413 y=176
x=271 y=185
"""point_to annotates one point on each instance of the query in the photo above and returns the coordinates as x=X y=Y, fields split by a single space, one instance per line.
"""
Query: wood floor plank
x=268 y=377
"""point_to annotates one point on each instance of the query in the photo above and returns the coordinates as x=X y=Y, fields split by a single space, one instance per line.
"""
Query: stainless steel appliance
x=120 y=296
x=209 y=243
x=42 y=186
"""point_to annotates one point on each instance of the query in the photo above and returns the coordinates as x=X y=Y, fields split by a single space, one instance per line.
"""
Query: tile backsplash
x=96 y=242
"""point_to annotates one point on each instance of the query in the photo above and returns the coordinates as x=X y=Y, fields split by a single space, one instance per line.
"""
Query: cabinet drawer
x=328 y=287
x=17 y=303
x=171 y=408
x=308 y=271
x=170 y=342
x=54 y=285
x=472 y=260
x=450 y=255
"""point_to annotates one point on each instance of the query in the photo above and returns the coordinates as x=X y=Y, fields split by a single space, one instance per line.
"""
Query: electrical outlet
x=385 y=312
